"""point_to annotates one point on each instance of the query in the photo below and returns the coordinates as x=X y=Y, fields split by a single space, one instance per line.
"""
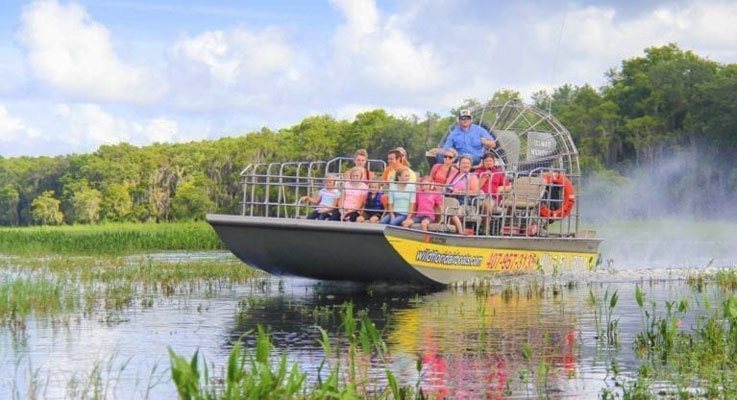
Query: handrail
x=501 y=213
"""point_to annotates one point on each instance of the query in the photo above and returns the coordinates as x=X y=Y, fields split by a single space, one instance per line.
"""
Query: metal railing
x=277 y=190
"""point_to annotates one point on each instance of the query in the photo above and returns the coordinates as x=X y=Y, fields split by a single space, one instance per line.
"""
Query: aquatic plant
x=698 y=361
x=252 y=373
x=21 y=296
x=109 y=238
x=727 y=279
x=63 y=285
x=724 y=278
x=604 y=313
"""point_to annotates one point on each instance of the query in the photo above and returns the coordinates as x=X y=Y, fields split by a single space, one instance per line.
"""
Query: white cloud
x=234 y=68
x=373 y=51
x=89 y=124
x=74 y=54
x=237 y=55
x=427 y=55
x=84 y=127
x=594 y=39
x=162 y=130
x=12 y=128
x=515 y=46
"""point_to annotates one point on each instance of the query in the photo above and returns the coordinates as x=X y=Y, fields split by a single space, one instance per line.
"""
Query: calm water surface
x=468 y=343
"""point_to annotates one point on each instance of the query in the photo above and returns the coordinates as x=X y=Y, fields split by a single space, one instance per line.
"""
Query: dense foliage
x=109 y=238
x=665 y=102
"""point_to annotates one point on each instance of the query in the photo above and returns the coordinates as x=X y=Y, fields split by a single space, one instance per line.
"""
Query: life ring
x=567 y=200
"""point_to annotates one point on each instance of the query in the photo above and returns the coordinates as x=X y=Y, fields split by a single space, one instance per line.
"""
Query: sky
x=78 y=74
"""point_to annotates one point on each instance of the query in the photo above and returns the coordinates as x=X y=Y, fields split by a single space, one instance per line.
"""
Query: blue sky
x=77 y=74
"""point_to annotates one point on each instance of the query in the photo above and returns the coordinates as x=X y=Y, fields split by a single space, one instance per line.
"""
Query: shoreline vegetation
x=61 y=286
x=109 y=238
x=124 y=238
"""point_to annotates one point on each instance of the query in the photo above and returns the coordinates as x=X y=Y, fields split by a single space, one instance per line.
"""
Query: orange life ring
x=569 y=196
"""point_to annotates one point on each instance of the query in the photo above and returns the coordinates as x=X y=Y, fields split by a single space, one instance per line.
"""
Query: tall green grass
x=253 y=373
x=56 y=286
x=111 y=238
x=43 y=295
x=678 y=361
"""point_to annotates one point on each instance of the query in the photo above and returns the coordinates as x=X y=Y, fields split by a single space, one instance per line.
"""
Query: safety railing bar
x=485 y=219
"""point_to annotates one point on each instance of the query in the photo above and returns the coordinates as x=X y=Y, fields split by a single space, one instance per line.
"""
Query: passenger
x=464 y=187
x=468 y=138
x=405 y=158
x=374 y=208
x=465 y=183
x=441 y=174
x=326 y=200
x=399 y=162
x=401 y=199
x=354 y=195
x=492 y=178
x=393 y=161
x=360 y=160
x=429 y=204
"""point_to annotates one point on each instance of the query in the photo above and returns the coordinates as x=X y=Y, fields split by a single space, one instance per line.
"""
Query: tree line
x=666 y=101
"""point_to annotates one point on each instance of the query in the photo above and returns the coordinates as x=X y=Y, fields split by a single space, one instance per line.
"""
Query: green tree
x=665 y=87
x=9 y=200
x=592 y=121
x=190 y=202
x=505 y=95
x=116 y=203
x=86 y=206
x=45 y=209
x=363 y=133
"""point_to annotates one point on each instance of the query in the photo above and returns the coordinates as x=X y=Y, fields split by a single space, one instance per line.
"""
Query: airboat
x=533 y=227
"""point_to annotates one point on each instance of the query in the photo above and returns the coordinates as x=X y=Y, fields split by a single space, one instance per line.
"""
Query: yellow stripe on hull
x=485 y=259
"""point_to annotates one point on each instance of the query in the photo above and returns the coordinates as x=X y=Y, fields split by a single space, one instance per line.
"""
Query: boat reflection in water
x=476 y=344
x=488 y=344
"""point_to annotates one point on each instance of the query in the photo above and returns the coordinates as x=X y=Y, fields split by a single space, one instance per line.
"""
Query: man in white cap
x=468 y=138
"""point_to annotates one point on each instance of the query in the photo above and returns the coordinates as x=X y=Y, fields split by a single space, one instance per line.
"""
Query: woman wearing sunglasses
x=442 y=173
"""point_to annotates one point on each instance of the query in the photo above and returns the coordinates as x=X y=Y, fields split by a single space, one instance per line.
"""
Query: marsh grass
x=604 y=314
x=109 y=238
x=54 y=286
x=699 y=361
x=139 y=270
x=40 y=295
x=100 y=381
x=724 y=278
x=258 y=374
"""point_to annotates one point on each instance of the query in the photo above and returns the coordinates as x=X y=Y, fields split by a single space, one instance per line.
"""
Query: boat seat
x=451 y=207
x=521 y=207
x=437 y=227
x=526 y=193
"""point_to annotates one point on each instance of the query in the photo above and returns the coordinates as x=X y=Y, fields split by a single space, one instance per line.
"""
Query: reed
x=55 y=286
x=724 y=278
x=109 y=238
x=699 y=361
x=604 y=314
x=257 y=374
x=40 y=295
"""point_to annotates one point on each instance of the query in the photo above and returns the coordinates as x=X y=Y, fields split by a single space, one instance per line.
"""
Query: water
x=468 y=343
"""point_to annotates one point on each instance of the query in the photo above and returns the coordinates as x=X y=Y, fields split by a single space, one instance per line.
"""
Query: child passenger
x=374 y=206
x=401 y=199
x=360 y=159
x=429 y=204
x=326 y=200
x=354 y=196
